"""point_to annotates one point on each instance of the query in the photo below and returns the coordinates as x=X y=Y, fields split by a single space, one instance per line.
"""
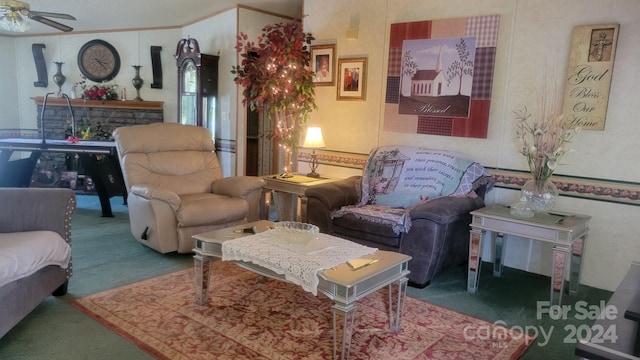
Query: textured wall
x=533 y=49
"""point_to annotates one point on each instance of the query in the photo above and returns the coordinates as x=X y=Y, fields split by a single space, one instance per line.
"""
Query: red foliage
x=276 y=76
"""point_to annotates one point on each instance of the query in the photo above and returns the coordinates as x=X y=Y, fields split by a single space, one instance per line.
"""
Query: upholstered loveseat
x=409 y=199
x=35 y=249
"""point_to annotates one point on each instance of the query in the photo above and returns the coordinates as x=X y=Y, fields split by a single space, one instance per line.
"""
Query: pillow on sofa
x=402 y=176
x=24 y=253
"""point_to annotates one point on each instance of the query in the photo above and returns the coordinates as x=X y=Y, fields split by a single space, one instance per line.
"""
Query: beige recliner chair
x=175 y=185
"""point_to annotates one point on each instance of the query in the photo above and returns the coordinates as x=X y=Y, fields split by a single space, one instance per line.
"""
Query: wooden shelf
x=113 y=104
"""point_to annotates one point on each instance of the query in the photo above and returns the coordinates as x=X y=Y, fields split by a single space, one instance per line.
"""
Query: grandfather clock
x=197 y=85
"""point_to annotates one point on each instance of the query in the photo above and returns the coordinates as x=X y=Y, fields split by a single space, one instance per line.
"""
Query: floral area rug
x=250 y=317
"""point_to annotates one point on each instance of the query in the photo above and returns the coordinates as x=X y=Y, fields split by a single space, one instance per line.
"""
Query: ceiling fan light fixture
x=12 y=21
x=16 y=16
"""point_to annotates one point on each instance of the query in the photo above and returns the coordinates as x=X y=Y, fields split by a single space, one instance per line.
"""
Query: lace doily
x=298 y=260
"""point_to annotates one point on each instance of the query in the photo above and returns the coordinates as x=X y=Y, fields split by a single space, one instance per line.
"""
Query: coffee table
x=341 y=284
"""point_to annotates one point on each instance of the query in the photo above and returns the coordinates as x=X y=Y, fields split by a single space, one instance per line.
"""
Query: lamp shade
x=314 y=138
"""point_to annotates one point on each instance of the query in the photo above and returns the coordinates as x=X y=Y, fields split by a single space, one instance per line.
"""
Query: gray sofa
x=35 y=241
x=438 y=237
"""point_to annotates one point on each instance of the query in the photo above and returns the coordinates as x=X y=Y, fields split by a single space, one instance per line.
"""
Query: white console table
x=567 y=232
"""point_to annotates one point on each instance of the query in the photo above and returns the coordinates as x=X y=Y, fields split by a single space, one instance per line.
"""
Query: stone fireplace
x=91 y=114
x=94 y=118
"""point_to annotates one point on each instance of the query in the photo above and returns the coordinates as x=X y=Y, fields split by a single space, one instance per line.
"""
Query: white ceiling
x=94 y=15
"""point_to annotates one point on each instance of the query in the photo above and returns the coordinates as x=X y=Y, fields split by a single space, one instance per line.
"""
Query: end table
x=292 y=189
x=567 y=232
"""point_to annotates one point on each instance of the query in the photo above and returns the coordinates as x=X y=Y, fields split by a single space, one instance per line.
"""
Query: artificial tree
x=278 y=81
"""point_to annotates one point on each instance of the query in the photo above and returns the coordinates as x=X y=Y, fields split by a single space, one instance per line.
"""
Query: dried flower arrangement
x=544 y=139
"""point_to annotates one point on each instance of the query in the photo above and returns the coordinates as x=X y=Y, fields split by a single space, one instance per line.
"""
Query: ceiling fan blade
x=53 y=15
x=52 y=23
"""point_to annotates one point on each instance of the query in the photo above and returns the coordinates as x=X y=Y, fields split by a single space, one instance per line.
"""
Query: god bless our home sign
x=588 y=80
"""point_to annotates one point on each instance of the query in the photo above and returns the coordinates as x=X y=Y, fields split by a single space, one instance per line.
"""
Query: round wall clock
x=98 y=61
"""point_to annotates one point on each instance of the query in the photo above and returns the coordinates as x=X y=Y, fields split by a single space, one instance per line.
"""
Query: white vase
x=541 y=196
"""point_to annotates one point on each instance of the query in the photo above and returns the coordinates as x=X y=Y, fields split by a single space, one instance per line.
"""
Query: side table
x=567 y=232
x=294 y=187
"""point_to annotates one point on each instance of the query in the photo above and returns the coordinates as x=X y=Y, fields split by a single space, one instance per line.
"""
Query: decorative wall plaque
x=440 y=76
x=593 y=49
x=156 y=66
x=41 y=68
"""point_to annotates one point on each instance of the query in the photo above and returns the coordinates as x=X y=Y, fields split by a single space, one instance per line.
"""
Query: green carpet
x=106 y=256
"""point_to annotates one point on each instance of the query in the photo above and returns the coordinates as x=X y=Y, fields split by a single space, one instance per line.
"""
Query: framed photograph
x=323 y=64
x=69 y=179
x=352 y=78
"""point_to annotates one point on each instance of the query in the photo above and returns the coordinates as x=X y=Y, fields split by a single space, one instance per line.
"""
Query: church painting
x=437 y=75
x=440 y=76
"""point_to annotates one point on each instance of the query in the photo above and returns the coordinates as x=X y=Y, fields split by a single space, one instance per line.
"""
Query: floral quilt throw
x=397 y=178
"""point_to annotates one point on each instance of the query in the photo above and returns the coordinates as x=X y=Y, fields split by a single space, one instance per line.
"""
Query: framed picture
x=352 y=78
x=419 y=66
x=69 y=179
x=323 y=64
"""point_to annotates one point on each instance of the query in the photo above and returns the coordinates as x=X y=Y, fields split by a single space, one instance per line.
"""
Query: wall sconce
x=352 y=33
x=314 y=141
x=354 y=25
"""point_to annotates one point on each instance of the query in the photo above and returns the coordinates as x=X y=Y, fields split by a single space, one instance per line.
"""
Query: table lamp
x=314 y=141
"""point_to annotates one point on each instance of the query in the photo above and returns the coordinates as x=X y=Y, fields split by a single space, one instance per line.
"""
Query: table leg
x=103 y=196
x=302 y=208
x=285 y=205
x=561 y=262
x=296 y=202
x=202 y=265
x=107 y=176
x=499 y=246
x=265 y=204
x=17 y=173
x=348 y=313
x=397 y=294
x=5 y=155
x=576 y=264
x=475 y=260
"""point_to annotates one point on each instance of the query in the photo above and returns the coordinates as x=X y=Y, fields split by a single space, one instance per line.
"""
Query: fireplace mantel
x=109 y=104
x=89 y=118
x=89 y=114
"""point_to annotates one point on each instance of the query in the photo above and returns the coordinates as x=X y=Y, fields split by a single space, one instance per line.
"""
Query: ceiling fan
x=13 y=14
